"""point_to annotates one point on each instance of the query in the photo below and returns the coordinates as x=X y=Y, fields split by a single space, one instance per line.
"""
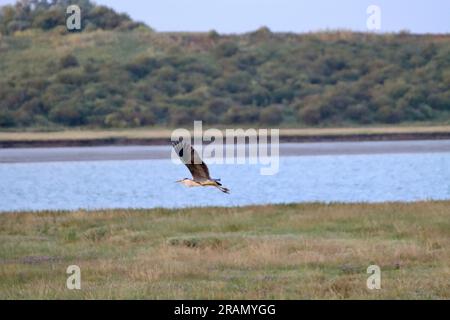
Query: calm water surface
x=150 y=183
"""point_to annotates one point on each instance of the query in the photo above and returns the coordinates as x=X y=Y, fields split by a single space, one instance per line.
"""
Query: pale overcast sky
x=237 y=16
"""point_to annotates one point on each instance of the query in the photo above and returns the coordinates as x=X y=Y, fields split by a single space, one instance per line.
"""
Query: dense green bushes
x=135 y=77
x=40 y=14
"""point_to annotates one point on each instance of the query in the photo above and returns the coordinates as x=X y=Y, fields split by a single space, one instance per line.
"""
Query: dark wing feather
x=192 y=160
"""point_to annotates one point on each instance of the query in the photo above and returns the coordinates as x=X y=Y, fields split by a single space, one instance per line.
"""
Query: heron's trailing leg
x=223 y=189
x=215 y=183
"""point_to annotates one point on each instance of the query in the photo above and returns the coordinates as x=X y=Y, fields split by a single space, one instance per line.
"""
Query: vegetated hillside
x=117 y=73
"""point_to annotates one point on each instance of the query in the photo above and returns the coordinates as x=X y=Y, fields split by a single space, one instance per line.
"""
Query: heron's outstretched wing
x=192 y=160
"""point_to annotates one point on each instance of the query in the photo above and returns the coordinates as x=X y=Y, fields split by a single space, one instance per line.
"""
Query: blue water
x=150 y=183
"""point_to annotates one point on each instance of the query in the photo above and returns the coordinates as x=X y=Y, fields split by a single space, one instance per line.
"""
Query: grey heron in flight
x=197 y=167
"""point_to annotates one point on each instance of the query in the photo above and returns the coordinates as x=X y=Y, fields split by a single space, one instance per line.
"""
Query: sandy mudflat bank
x=86 y=138
x=29 y=155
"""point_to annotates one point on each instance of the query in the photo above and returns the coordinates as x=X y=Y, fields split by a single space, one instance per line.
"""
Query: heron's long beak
x=178 y=181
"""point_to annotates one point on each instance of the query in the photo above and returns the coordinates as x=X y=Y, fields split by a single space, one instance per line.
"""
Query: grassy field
x=308 y=251
x=161 y=133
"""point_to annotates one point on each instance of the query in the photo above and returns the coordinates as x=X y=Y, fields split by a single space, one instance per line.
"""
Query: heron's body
x=190 y=183
x=204 y=183
x=197 y=167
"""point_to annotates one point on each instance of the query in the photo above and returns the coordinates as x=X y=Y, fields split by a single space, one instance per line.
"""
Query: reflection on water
x=150 y=183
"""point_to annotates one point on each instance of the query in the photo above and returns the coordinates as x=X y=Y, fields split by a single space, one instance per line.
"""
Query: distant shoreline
x=155 y=137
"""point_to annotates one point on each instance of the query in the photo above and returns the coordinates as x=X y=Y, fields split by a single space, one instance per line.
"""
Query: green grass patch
x=304 y=251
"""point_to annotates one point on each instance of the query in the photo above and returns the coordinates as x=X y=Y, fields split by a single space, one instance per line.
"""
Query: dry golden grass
x=165 y=133
x=308 y=251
